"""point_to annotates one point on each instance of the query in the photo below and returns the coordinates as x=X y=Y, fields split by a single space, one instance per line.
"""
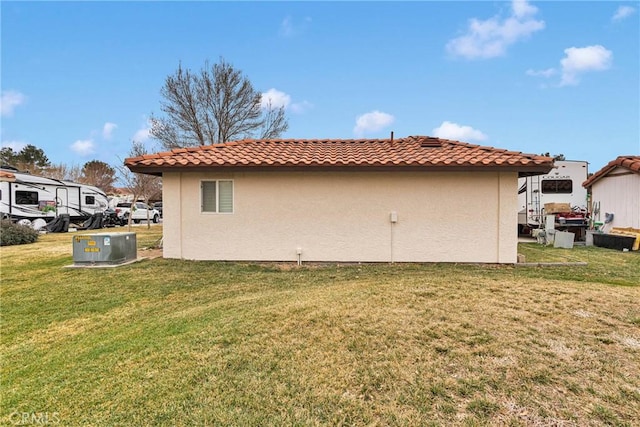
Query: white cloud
x=449 y=130
x=301 y=107
x=15 y=145
x=276 y=98
x=286 y=27
x=521 y=8
x=107 y=130
x=580 y=60
x=289 y=29
x=280 y=99
x=372 y=122
x=542 y=73
x=143 y=134
x=9 y=101
x=491 y=38
x=623 y=12
x=83 y=147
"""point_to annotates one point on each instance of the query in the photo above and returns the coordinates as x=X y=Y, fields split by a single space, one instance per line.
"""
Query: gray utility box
x=104 y=248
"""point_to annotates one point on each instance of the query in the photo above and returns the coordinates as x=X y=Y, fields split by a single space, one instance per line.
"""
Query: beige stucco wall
x=450 y=217
x=620 y=195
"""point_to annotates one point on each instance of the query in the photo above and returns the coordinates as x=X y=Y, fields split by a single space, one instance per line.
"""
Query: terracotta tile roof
x=411 y=152
x=627 y=162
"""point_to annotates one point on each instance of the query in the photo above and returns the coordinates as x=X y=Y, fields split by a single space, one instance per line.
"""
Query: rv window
x=89 y=200
x=557 y=186
x=27 y=197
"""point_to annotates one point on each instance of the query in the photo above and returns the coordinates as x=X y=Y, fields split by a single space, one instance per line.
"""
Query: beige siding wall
x=450 y=217
x=619 y=195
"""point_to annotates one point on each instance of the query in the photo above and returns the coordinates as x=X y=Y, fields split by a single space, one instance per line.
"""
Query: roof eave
x=522 y=170
x=619 y=162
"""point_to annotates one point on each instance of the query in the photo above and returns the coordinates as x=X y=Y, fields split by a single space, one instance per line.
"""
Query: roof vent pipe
x=392 y=137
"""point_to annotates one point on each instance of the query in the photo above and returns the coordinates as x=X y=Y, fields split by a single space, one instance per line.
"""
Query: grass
x=169 y=342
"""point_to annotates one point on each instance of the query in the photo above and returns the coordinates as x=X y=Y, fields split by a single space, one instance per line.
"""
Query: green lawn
x=169 y=342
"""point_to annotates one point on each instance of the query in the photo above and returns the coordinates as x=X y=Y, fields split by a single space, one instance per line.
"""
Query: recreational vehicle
x=26 y=196
x=562 y=187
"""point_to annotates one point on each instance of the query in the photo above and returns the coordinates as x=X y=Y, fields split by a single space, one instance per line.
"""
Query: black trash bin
x=613 y=241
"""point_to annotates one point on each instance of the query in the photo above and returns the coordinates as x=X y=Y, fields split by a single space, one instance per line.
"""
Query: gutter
x=521 y=170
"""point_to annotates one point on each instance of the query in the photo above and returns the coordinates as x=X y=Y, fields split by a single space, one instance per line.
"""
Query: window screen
x=89 y=200
x=225 y=196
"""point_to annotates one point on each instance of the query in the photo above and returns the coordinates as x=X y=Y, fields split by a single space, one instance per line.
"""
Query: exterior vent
x=430 y=142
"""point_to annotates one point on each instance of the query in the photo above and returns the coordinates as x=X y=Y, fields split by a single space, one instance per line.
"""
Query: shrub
x=16 y=234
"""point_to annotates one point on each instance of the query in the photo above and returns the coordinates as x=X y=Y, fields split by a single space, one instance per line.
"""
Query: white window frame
x=217 y=209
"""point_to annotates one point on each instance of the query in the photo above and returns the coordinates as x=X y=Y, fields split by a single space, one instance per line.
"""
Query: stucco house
x=413 y=199
x=615 y=189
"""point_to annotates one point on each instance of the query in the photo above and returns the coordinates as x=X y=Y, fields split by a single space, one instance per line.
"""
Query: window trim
x=217 y=209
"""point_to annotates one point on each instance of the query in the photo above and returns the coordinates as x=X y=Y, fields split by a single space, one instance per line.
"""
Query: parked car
x=158 y=207
x=138 y=212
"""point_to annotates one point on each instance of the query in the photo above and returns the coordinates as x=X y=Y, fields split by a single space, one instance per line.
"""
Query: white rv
x=26 y=196
x=562 y=185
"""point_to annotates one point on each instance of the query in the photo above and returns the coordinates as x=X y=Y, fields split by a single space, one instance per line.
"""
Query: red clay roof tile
x=628 y=162
x=412 y=151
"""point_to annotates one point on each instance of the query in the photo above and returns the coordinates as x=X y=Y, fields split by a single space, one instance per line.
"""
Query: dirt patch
x=150 y=253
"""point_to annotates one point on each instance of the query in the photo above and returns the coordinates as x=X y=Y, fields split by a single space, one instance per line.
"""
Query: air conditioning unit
x=104 y=248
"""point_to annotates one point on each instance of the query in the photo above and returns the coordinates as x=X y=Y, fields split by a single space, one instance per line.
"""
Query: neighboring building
x=414 y=199
x=120 y=195
x=615 y=190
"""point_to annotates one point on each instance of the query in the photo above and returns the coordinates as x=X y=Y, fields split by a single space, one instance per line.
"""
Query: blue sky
x=81 y=79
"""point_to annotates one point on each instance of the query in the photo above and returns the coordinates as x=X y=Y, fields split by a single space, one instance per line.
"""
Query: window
x=89 y=200
x=217 y=196
x=557 y=186
x=27 y=197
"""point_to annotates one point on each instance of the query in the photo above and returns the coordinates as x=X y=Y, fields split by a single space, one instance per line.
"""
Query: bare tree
x=217 y=105
x=273 y=123
x=63 y=171
x=141 y=186
x=184 y=121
